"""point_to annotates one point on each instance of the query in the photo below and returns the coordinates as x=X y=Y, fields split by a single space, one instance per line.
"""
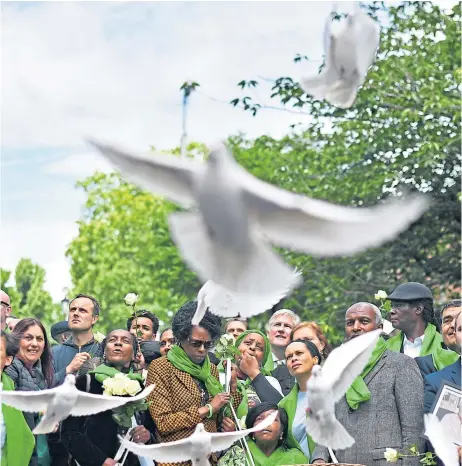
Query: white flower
x=131 y=299
x=226 y=339
x=391 y=455
x=120 y=385
x=99 y=337
x=381 y=294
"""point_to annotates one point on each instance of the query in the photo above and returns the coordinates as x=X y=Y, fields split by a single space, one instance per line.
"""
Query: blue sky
x=112 y=70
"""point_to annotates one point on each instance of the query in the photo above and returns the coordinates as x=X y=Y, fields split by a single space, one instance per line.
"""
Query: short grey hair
x=283 y=312
x=363 y=304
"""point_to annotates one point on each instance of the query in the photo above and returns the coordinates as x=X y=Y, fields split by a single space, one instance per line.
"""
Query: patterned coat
x=175 y=402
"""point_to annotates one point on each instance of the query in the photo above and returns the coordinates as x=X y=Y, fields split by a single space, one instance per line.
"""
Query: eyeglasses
x=198 y=343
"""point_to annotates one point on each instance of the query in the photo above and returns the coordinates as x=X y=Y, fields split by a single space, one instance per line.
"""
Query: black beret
x=411 y=291
x=58 y=328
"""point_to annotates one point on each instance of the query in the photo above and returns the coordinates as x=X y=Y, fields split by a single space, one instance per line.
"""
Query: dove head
x=70 y=379
x=219 y=155
x=200 y=428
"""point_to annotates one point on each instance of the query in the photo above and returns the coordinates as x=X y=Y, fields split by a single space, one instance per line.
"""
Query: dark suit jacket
x=433 y=381
x=392 y=418
x=281 y=374
x=425 y=364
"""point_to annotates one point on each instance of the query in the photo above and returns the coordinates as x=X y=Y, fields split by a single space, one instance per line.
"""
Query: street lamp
x=65 y=303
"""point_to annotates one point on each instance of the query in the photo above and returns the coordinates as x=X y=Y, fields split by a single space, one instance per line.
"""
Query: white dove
x=226 y=239
x=197 y=447
x=329 y=383
x=222 y=302
x=441 y=440
x=63 y=401
x=349 y=54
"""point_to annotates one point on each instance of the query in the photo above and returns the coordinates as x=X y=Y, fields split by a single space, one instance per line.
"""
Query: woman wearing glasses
x=187 y=389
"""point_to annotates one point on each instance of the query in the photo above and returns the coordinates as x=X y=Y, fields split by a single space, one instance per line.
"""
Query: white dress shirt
x=412 y=349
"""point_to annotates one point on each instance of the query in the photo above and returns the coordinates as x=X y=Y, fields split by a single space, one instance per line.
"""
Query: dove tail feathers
x=44 y=427
x=329 y=434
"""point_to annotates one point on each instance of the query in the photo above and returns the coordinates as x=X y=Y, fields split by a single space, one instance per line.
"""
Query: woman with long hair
x=92 y=440
x=187 y=387
x=32 y=369
x=311 y=331
x=301 y=357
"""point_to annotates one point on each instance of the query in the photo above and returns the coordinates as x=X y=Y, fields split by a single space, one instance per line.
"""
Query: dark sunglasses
x=198 y=343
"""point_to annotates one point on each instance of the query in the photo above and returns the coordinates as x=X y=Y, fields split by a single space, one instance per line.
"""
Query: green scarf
x=102 y=372
x=242 y=385
x=181 y=361
x=289 y=403
x=281 y=456
x=19 y=442
x=358 y=392
x=430 y=345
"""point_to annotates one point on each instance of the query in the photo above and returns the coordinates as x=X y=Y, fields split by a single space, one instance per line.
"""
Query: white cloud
x=113 y=70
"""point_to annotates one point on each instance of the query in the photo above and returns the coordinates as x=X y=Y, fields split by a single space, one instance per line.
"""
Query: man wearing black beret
x=412 y=313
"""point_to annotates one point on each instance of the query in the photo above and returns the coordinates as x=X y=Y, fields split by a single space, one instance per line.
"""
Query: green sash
x=181 y=361
x=281 y=456
x=289 y=403
x=431 y=345
x=358 y=392
x=19 y=442
x=102 y=372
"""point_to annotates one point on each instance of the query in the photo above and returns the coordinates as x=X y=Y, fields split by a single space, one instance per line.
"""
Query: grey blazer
x=392 y=418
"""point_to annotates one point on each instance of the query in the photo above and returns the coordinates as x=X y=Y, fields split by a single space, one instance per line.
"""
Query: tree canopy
x=402 y=131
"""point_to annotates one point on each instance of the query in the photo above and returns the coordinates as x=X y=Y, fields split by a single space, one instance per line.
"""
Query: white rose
x=131 y=299
x=381 y=294
x=226 y=339
x=133 y=387
x=391 y=455
x=99 y=337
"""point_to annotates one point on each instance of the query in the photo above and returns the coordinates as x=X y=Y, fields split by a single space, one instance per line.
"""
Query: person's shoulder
x=396 y=358
x=437 y=376
x=160 y=364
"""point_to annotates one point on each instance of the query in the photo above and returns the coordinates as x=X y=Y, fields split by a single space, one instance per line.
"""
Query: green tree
x=124 y=246
x=403 y=130
x=28 y=297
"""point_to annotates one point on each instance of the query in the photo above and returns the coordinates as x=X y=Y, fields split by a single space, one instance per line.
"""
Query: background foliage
x=403 y=131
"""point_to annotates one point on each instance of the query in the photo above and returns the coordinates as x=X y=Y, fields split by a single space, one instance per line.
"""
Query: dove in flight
x=233 y=219
x=329 y=383
x=63 y=401
x=196 y=448
x=222 y=302
x=441 y=440
x=349 y=54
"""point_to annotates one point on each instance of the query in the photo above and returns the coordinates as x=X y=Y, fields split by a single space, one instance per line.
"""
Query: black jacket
x=281 y=373
x=92 y=439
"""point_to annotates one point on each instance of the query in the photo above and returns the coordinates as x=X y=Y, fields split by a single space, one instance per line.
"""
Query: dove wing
x=444 y=448
x=223 y=441
x=30 y=402
x=225 y=303
x=367 y=38
x=321 y=228
x=164 y=175
x=171 y=452
x=346 y=362
x=89 y=403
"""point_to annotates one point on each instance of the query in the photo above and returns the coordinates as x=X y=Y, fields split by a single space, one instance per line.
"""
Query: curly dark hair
x=11 y=343
x=261 y=408
x=428 y=313
x=46 y=357
x=181 y=323
x=149 y=315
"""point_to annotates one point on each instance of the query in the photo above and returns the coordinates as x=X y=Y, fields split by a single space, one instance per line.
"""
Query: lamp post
x=65 y=303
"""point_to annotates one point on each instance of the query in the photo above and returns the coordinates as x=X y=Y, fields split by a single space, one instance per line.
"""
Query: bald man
x=5 y=309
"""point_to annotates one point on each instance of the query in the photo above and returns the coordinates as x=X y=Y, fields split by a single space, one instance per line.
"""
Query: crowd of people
x=382 y=409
